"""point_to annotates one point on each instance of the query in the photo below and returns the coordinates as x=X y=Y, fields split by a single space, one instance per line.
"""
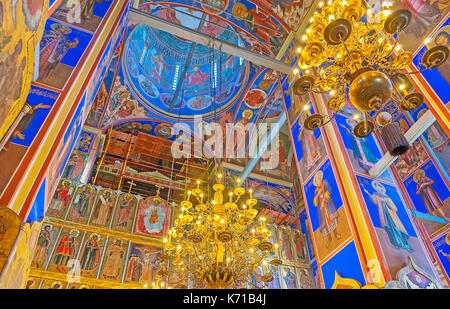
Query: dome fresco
x=154 y=61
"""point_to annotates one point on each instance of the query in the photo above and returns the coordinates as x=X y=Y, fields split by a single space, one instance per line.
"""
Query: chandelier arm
x=348 y=52
x=393 y=46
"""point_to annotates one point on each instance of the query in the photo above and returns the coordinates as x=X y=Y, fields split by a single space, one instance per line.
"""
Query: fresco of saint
x=196 y=77
x=60 y=199
x=153 y=216
x=113 y=262
x=103 y=208
x=81 y=203
x=326 y=210
x=125 y=210
x=66 y=250
x=430 y=198
x=42 y=245
x=310 y=144
x=90 y=257
x=53 y=47
x=389 y=219
x=74 y=166
x=361 y=150
x=290 y=278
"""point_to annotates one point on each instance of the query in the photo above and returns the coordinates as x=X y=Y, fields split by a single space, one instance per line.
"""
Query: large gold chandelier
x=217 y=241
x=352 y=52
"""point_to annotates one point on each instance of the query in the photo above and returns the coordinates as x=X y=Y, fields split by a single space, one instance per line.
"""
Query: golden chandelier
x=216 y=241
x=350 y=51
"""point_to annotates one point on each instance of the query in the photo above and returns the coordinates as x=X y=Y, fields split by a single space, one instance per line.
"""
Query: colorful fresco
x=426 y=15
x=66 y=251
x=438 y=78
x=124 y=213
x=279 y=197
x=114 y=259
x=61 y=48
x=292 y=13
x=41 y=101
x=82 y=204
x=113 y=49
x=286 y=248
x=309 y=147
x=289 y=279
x=21 y=27
x=100 y=101
x=346 y=263
x=61 y=199
x=103 y=208
x=85 y=142
x=44 y=244
x=437 y=140
x=90 y=255
x=154 y=61
x=362 y=152
x=153 y=217
x=75 y=166
x=259 y=28
x=392 y=224
x=329 y=221
x=143 y=264
x=83 y=14
x=121 y=105
x=442 y=247
x=429 y=193
x=414 y=157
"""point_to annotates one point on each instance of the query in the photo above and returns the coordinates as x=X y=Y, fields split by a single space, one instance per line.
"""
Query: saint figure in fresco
x=287 y=246
x=238 y=137
x=441 y=39
x=300 y=246
x=425 y=13
x=42 y=245
x=66 y=250
x=430 y=198
x=25 y=122
x=103 y=209
x=412 y=157
x=326 y=210
x=290 y=279
x=310 y=144
x=74 y=166
x=134 y=269
x=60 y=199
x=156 y=215
x=126 y=205
x=195 y=77
x=81 y=203
x=305 y=280
x=113 y=261
x=158 y=65
x=263 y=26
x=91 y=254
x=361 y=150
x=53 y=47
x=389 y=219
x=436 y=136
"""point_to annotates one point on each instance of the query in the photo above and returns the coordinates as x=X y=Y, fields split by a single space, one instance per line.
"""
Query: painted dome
x=154 y=62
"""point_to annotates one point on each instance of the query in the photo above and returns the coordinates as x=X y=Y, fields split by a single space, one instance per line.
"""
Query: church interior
x=224 y=144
